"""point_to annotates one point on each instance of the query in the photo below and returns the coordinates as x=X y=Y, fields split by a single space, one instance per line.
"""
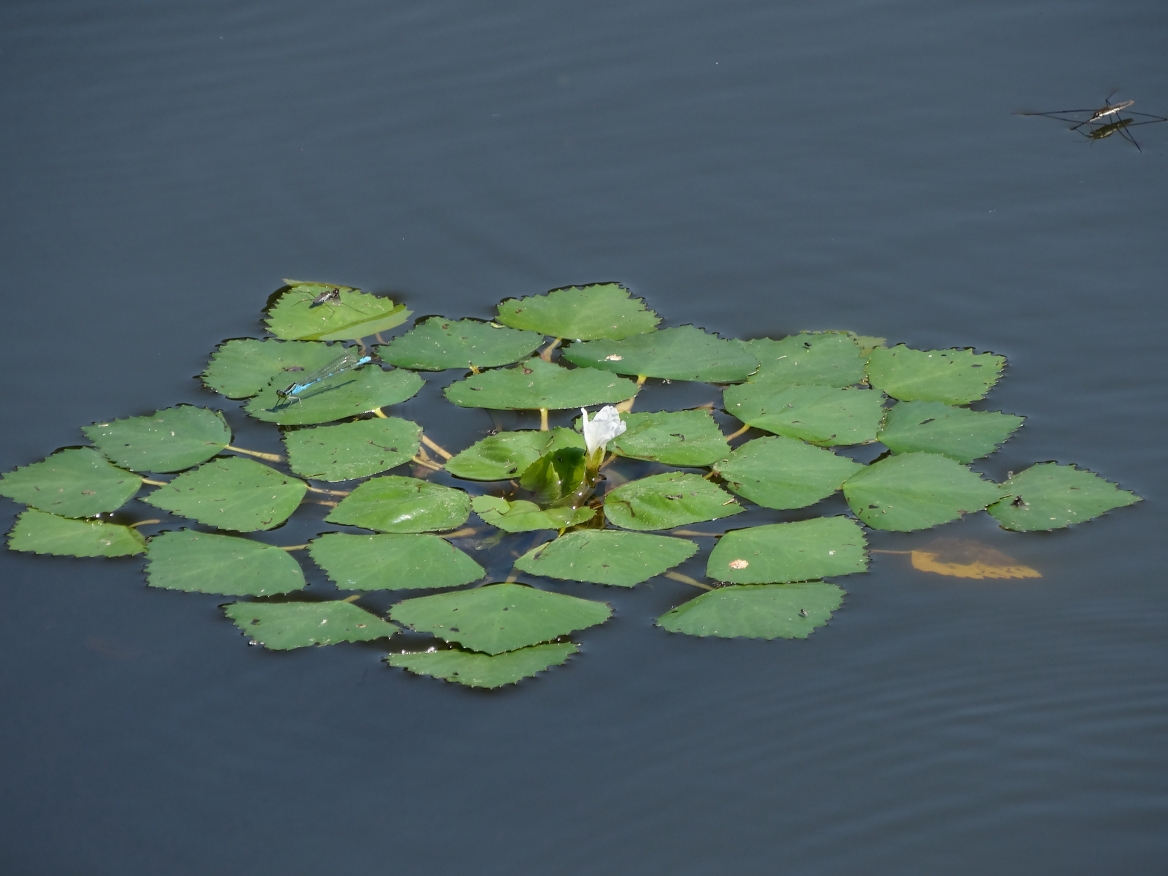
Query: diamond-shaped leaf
x=1051 y=496
x=400 y=504
x=499 y=617
x=783 y=552
x=538 y=384
x=778 y=472
x=168 y=440
x=667 y=500
x=242 y=367
x=393 y=562
x=582 y=313
x=508 y=454
x=820 y=358
x=202 y=562
x=345 y=314
x=958 y=433
x=955 y=377
x=343 y=395
x=683 y=353
x=40 y=533
x=231 y=493
x=71 y=483
x=821 y=415
x=604 y=556
x=769 y=611
x=916 y=491
x=281 y=626
x=686 y=438
x=436 y=344
x=352 y=450
x=524 y=516
x=485 y=670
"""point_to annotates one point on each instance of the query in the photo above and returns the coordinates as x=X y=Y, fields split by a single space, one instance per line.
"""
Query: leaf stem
x=154 y=483
x=543 y=419
x=294 y=547
x=378 y=412
x=686 y=579
x=435 y=447
x=465 y=532
x=693 y=532
x=313 y=489
x=546 y=353
x=143 y=523
x=353 y=598
x=738 y=434
x=269 y=457
x=426 y=463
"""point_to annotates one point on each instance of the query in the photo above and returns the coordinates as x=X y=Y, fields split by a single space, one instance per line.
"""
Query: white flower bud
x=601 y=429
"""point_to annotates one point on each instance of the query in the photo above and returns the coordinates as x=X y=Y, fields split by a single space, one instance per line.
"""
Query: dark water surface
x=754 y=168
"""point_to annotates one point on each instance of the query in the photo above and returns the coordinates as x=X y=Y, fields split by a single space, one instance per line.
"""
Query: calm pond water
x=753 y=168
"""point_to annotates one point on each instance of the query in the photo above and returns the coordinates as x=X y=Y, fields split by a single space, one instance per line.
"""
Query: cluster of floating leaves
x=797 y=398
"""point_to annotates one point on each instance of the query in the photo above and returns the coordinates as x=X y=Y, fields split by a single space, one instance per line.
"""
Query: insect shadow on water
x=1101 y=122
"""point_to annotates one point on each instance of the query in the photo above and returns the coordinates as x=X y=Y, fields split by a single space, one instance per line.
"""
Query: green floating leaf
x=231 y=493
x=958 y=433
x=667 y=500
x=778 y=472
x=352 y=450
x=956 y=377
x=201 y=562
x=168 y=440
x=71 y=483
x=917 y=491
x=436 y=344
x=536 y=384
x=1050 y=496
x=508 y=454
x=399 y=504
x=555 y=476
x=393 y=562
x=783 y=552
x=524 y=516
x=282 y=626
x=775 y=611
x=818 y=414
x=499 y=617
x=343 y=395
x=39 y=533
x=684 y=353
x=688 y=438
x=603 y=556
x=819 y=358
x=347 y=316
x=485 y=670
x=582 y=313
x=242 y=367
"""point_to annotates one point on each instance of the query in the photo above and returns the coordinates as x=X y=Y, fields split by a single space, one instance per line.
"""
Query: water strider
x=1103 y=121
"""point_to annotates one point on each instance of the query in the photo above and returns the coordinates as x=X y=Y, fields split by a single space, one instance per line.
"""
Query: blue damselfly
x=345 y=362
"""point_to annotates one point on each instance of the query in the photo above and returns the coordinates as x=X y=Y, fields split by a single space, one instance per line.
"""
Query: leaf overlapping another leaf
x=582 y=313
x=668 y=500
x=436 y=344
x=166 y=441
x=352 y=450
x=400 y=504
x=683 y=353
x=823 y=415
x=536 y=384
x=40 y=533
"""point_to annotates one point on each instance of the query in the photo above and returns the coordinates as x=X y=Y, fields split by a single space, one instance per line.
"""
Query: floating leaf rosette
x=556 y=509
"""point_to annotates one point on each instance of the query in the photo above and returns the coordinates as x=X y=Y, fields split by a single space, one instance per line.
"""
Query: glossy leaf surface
x=604 y=556
x=352 y=450
x=499 y=617
x=821 y=415
x=781 y=552
x=39 y=533
x=667 y=500
x=523 y=516
x=436 y=344
x=538 y=384
x=400 y=504
x=242 y=367
x=355 y=315
x=775 y=611
x=472 y=669
x=231 y=493
x=343 y=395
x=71 y=483
x=778 y=472
x=282 y=626
x=169 y=440
x=917 y=491
x=818 y=358
x=202 y=562
x=955 y=377
x=393 y=562
x=958 y=433
x=1050 y=496
x=582 y=313
x=686 y=438
x=683 y=353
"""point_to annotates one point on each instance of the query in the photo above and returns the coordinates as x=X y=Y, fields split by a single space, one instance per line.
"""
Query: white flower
x=605 y=426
